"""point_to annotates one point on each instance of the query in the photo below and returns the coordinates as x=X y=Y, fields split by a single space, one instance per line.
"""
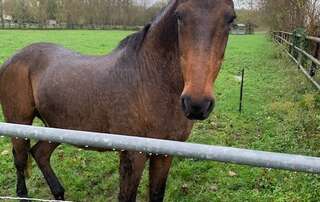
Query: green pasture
x=281 y=114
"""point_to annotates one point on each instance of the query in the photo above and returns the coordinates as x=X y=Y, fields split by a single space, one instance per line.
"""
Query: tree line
x=284 y=15
x=81 y=12
x=275 y=14
x=288 y=15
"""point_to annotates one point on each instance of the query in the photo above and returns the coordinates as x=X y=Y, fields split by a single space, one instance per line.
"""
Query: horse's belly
x=79 y=116
x=115 y=119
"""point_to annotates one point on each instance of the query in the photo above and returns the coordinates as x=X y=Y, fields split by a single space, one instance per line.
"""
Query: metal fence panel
x=165 y=147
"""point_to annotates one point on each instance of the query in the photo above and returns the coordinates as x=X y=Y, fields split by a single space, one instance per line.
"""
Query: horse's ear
x=142 y=36
x=176 y=1
x=146 y=29
x=135 y=40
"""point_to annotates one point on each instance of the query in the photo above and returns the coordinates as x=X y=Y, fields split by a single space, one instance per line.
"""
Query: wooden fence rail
x=303 y=50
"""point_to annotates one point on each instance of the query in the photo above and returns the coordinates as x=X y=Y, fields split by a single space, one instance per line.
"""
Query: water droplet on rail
x=17 y=138
x=122 y=150
x=140 y=152
x=86 y=146
x=113 y=149
x=26 y=138
x=150 y=154
x=166 y=156
x=50 y=142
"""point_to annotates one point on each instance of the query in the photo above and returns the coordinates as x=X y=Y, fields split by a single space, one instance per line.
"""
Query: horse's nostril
x=196 y=108
x=211 y=106
x=185 y=102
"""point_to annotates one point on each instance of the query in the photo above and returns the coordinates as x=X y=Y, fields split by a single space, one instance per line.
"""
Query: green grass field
x=281 y=114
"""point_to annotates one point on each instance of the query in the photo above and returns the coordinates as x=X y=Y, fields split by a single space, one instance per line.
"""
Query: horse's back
x=33 y=57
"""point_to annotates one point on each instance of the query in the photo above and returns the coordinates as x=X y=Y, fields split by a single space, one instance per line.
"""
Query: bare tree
x=313 y=16
x=291 y=14
x=2 y=13
x=83 y=12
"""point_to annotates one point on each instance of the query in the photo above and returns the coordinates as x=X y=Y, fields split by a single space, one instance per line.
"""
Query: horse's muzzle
x=197 y=110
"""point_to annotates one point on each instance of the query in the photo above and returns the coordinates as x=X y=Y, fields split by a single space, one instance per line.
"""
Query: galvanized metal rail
x=165 y=147
x=286 y=38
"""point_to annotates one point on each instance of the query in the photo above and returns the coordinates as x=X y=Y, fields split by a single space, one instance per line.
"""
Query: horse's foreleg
x=20 y=154
x=42 y=152
x=131 y=169
x=158 y=173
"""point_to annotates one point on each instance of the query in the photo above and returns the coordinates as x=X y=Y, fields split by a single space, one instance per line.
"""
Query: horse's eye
x=231 y=20
x=178 y=16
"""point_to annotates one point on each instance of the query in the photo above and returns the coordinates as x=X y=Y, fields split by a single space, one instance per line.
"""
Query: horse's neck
x=163 y=32
x=160 y=49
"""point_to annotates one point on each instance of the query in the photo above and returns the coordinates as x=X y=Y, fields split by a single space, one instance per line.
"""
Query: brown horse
x=155 y=84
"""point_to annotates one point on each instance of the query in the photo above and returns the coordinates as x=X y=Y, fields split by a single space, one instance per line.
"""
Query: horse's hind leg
x=18 y=110
x=20 y=154
x=42 y=152
x=20 y=151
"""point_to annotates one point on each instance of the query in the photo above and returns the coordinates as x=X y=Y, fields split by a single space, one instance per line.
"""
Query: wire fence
x=304 y=51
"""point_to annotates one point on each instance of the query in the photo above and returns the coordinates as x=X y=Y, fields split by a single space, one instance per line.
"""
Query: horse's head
x=203 y=29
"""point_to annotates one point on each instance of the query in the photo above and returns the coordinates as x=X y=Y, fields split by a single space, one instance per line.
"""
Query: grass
x=281 y=114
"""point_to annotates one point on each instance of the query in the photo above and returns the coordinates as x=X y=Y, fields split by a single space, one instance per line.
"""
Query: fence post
x=313 y=67
x=299 y=41
x=241 y=91
x=292 y=41
x=273 y=35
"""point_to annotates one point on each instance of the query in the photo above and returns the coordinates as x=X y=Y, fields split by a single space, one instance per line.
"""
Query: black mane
x=134 y=40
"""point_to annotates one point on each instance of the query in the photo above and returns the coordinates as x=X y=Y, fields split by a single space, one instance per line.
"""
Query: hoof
x=59 y=198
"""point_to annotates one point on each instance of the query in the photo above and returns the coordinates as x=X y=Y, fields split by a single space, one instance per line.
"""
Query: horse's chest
x=151 y=116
